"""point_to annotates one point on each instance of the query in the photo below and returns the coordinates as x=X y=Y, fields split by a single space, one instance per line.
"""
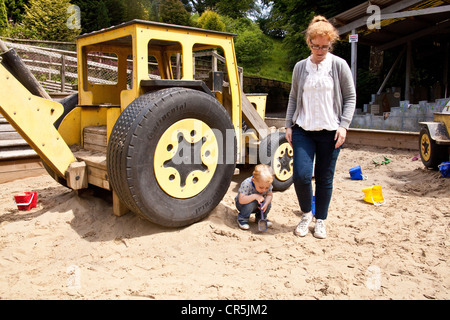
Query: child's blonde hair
x=263 y=173
x=320 y=26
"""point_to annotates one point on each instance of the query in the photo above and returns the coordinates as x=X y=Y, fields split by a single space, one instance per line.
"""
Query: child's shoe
x=243 y=225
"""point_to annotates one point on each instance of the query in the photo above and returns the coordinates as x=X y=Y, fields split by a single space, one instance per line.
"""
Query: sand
x=71 y=246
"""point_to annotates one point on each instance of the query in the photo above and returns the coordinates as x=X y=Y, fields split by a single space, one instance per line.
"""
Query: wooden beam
x=414 y=13
x=11 y=170
x=363 y=20
x=253 y=119
x=413 y=36
x=383 y=138
x=76 y=175
x=119 y=208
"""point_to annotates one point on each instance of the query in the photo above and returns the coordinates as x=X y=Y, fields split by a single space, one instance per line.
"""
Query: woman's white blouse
x=317 y=112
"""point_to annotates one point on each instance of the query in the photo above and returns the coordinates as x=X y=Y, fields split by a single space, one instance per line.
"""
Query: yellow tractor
x=434 y=139
x=166 y=145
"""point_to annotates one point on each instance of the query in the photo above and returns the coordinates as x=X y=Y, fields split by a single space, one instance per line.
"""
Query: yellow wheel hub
x=282 y=162
x=425 y=147
x=186 y=158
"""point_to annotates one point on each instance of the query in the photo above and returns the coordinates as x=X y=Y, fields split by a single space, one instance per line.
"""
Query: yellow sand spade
x=374 y=195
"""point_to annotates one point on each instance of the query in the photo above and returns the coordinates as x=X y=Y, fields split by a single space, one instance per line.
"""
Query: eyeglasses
x=317 y=47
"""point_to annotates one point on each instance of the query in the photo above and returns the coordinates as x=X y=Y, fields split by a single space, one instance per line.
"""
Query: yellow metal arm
x=33 y=119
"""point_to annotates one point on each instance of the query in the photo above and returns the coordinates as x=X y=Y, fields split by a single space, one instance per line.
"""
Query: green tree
x=137 y=9
x=173 y=11
x=153 y=10
x=116 y=11
x=289 y=18
x=3 y=17
x=94 y=14
x=199 y=6
x=99 y=14
x=15 y=9
x=235 y=8
x=47 y=20
x=252 y=46
x=211 y=20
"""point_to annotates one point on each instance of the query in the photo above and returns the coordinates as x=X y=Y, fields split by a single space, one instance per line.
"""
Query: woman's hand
x=341 y=134
x=288 y=135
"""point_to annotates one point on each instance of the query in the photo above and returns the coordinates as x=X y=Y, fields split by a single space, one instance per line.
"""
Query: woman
x=321 y=106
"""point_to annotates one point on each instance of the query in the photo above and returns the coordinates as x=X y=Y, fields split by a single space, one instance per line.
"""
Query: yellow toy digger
x=434 y=139
x=167 y=148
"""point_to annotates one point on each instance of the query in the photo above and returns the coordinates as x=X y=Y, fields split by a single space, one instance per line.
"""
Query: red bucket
x=26 y=201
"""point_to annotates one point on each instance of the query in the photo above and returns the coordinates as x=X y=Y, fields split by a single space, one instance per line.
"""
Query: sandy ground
x=72 y=246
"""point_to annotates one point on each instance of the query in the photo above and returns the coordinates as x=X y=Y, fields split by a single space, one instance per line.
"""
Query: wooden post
x=179 y=66
x=119 y=208
x=76 y=175
x=354 y=58
x=445 y=75
x=63 y=73
x=390 y=71
x=214 y=60
x=408 y=69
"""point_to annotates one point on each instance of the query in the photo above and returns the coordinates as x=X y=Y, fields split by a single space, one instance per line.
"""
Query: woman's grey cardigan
x=344 y=92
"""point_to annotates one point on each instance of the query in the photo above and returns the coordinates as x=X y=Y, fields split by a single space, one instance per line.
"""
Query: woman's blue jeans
x=306 y=145
x=245 y=210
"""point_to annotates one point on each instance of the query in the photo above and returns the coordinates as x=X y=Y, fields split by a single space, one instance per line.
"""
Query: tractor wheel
x=431 y=153
x=275 y=150
x=171 y=156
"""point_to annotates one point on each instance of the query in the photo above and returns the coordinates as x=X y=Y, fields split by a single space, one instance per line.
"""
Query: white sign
x=353 y=38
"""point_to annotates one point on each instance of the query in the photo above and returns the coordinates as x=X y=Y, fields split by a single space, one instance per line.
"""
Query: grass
x=276 y=66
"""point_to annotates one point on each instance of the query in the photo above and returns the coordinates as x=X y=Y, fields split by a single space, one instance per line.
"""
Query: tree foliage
x=235 y=8
x=3 y=17
x=211 y=20
x=15 y=9
x=94 y=14
x=173 y=11
x=285 y=19
x=47 y=20
x=251 y=45
x=289 y=18
x=199 y=6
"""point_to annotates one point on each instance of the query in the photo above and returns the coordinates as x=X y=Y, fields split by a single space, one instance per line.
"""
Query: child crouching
x=255 y=194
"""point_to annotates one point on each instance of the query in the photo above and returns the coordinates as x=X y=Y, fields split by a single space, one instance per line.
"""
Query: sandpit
x=71 y=246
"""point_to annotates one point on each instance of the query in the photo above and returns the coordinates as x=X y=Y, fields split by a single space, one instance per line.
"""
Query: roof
x=401 y=21
x=156 y=24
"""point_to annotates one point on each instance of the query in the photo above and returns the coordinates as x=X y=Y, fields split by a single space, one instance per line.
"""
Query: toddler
x=255 y=194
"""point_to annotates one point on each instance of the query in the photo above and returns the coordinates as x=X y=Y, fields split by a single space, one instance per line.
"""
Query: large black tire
x=171 y=156
x=275 y=151
x=432 y=154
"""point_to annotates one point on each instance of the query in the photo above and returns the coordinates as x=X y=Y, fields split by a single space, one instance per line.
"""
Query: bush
x=3 y=17
x=44 y=24
x=251 y=45
x=211 y=20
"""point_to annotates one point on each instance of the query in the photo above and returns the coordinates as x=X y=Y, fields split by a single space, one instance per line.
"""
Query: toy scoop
x=262 y=223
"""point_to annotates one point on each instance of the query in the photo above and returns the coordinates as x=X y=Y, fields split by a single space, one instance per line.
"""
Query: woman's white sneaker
x=302 y=227
x=319 y=229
